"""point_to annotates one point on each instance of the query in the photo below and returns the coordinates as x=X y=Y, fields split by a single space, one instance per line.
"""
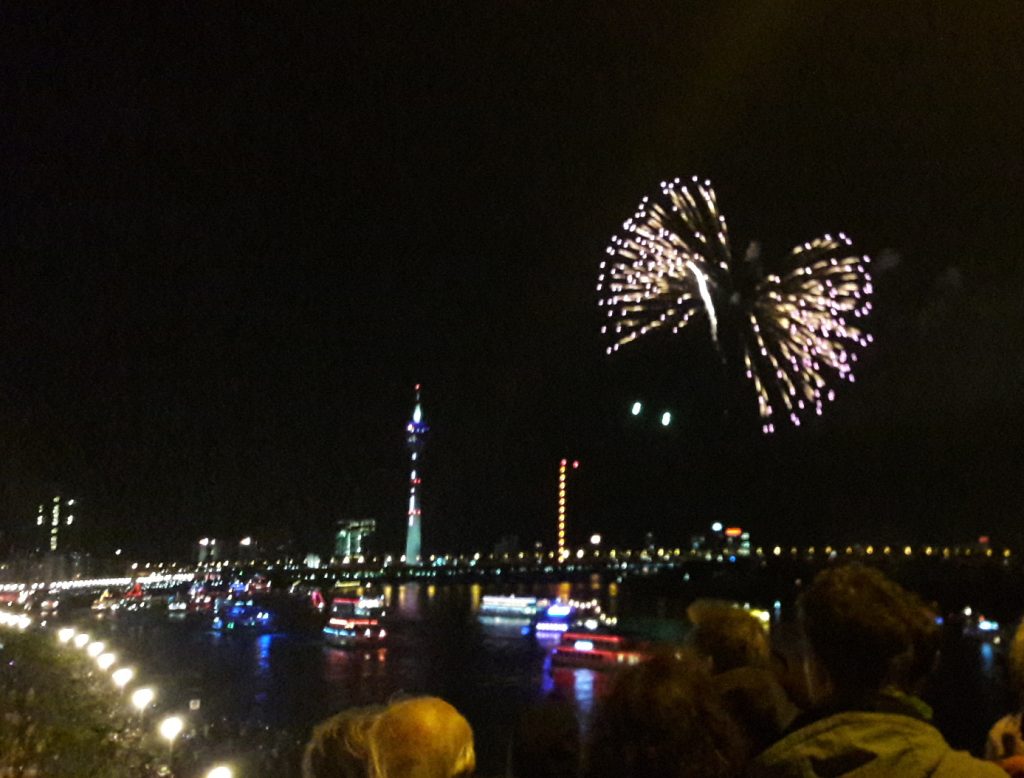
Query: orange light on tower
x=563 y=469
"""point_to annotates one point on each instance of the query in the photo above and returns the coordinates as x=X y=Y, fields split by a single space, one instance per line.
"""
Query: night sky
x=232 y=240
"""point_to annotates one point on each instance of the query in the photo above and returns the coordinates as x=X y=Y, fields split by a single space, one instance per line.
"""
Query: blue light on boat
x=552 y=626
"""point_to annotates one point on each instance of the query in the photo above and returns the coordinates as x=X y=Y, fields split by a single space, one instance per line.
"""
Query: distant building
x=51 y=519
x=729 y=541
x=350 y=538
x=507 y=544
x=209 y=550
x=248 y=550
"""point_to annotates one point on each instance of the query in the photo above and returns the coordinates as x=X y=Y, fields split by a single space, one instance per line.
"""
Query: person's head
x=728 y=636
x=546 y=742
x=338 y=747
x=664 y=718
x=422 y=737
x=867 y=631
x=1015 y=663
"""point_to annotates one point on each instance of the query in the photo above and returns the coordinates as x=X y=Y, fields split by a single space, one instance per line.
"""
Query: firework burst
x=798 y=330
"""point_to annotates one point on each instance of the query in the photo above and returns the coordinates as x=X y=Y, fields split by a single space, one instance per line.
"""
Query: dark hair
x=867 y=630
x=730 y=636
x=1015 y=664
x=546 y=742
x=664 y=718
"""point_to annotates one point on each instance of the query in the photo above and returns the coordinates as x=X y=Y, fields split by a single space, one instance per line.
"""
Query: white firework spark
x=800 y=330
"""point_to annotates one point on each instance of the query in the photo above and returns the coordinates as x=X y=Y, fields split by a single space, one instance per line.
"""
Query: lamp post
x=169 y=730
x=122 y=676
x=141 y=699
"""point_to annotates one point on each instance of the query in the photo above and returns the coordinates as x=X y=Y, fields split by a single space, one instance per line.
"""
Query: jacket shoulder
x=847 y=743
x=961 y=763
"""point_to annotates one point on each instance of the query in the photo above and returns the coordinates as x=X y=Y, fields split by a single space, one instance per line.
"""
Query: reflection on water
x=263 y=654
x=583 y=689
x=988 y=657
x=409 y=601
x=475 y=592
x=437 y=645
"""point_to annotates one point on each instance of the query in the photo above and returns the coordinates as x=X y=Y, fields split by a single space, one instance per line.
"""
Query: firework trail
x=797 y=330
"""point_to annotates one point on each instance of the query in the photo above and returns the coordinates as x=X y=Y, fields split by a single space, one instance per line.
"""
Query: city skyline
x=233 y=243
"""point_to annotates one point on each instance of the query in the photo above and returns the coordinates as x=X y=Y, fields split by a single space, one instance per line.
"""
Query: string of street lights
x=142 y=698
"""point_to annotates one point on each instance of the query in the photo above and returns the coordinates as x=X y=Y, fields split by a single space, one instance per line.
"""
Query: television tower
x=416 y=431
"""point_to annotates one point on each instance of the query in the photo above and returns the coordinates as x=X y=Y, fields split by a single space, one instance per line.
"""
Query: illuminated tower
x=563 y=472
x=416 y=431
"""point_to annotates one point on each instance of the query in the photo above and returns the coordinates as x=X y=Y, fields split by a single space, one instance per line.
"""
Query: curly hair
x=664 y=718
x=867 y=630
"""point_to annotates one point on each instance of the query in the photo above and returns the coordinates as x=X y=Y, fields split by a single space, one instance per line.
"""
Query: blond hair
x=422 y=737
x=338 y=747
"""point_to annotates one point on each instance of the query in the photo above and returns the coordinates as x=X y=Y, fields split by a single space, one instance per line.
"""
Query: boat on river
x=249 y=613
x=561 y=616
x=508 y=606
x=133 y=600
x=356 y=622
x=598 y=651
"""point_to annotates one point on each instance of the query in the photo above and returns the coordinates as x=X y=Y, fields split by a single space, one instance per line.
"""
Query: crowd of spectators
x=726 y=704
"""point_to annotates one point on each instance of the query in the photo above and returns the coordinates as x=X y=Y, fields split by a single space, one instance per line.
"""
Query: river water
x=438 y=646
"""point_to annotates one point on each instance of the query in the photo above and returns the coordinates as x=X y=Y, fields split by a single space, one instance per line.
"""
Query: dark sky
x=233 y=239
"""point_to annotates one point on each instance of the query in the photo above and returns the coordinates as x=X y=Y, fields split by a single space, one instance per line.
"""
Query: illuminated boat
x=508 y=606
x=571 y=616
x=556 y=618
x=106 y=601
x=206 y=598
x=245 y=614
x=597 y=651
x=133 y=599
x=976 y=626
x=312 y=595
x=356 y=622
